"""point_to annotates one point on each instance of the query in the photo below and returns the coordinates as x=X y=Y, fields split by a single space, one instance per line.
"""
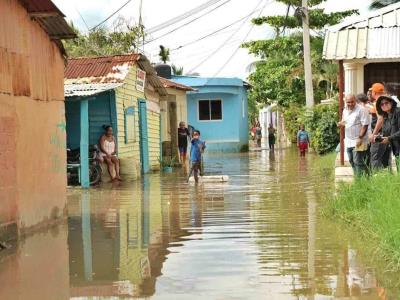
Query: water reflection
x=257 y=237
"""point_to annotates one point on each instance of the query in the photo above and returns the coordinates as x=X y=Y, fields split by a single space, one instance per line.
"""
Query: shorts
x=100 y=156
x=303 y=146
x=182 y=150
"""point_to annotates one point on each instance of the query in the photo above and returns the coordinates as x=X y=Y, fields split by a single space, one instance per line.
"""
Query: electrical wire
x=237 y=49
x=215 y=32
x=226 y=41
x=187 y=23
x=80 y=15
x=110 y=16
x=182 y=16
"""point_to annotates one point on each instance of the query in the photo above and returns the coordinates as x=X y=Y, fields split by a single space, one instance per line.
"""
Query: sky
x=219 y=55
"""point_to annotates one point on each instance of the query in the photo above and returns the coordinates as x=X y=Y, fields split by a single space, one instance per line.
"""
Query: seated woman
x=108 y=152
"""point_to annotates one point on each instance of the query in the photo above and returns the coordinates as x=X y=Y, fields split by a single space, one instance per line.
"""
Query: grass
x=371 y=207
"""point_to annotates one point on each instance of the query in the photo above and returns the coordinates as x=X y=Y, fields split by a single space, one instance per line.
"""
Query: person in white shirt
x=356 y=120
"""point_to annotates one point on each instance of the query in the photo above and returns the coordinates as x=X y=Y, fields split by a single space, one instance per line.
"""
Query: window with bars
x=210 y=110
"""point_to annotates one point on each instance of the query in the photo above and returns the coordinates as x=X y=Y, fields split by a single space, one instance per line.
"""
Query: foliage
x=320 y=122
x=376 y=4
x=371 y=208
x=164 y=54
x=279 y=75
x=294 y=117
x=318 y=19
x=177 y=70
x=121 y=39
x=168 y=161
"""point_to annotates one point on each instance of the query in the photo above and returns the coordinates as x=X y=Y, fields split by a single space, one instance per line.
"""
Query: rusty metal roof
x=102 y=69
x=50 y=18
x=175 y=85
x=110 y=69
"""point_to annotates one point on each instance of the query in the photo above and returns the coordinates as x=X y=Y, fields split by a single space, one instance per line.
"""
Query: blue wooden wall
x=101 y=112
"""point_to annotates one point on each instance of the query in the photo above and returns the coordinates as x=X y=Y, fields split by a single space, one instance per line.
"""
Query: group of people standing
x=256 y=133
x=372 y=130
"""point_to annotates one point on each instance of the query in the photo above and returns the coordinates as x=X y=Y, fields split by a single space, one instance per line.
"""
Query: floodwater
x=259 y=236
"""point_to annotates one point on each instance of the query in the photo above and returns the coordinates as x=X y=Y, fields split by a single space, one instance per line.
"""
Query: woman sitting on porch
x=108 y=152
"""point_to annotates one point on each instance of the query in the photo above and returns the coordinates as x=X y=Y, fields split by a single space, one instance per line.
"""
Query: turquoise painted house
x=219 y=109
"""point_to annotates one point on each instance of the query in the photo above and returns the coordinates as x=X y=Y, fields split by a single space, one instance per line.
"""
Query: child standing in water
x=303 y=140
x=196 y=152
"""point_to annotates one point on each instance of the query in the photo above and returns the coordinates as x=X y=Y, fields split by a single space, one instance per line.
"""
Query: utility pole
x=307 y=55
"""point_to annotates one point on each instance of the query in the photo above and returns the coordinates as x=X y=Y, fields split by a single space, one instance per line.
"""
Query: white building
x=369 y=46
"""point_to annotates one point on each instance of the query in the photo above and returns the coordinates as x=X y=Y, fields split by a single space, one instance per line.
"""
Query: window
x=210 y=110
x=129 y=116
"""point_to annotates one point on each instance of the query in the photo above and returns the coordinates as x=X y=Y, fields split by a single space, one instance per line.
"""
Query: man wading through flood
x=356 y=121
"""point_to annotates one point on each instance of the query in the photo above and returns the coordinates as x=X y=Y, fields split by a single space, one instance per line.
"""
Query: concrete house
x=368 y=46
x=123 y=91
x=173 y=111
x=32 y=117
x=219 y=109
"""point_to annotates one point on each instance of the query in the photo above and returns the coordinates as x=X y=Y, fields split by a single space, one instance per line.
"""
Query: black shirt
x=183 y=135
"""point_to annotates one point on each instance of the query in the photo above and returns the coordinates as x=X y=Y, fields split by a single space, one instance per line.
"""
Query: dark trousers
x=196 y=167
x=380 y=156
x=358 y=161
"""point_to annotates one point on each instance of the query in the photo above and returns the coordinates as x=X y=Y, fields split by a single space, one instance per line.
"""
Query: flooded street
x=259 y=236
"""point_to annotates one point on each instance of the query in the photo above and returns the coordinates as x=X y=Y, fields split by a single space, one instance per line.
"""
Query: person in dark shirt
x=183 y=137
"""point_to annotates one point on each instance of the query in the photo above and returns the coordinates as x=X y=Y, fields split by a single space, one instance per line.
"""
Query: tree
x=279 y=76
x=177 y=70
x=376 y=4
x=120 y=39
x=164 y=54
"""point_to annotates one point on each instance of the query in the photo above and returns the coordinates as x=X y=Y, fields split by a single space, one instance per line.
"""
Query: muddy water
x=257 y=237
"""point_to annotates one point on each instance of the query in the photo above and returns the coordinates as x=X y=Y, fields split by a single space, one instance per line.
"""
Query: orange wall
x=32 y=119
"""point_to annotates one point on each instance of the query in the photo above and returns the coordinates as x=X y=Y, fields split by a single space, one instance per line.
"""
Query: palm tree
x=177 y=70
x=376 y=4
x=164 y=54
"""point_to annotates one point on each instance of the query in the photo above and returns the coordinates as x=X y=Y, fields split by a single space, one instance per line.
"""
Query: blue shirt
x=196 y=150
x=302 y=136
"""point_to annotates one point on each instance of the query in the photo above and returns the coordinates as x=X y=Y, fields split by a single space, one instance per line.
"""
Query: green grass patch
x=371 y=208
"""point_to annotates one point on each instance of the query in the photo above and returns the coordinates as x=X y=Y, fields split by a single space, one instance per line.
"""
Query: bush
x=320 y=122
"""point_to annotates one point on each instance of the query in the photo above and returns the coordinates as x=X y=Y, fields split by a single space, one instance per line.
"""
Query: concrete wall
x=32 y=122
x=228 y=134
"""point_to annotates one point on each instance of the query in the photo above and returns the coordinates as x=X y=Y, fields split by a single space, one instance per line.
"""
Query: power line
x=226 y=41
x=215 y=32
x=182 y=16
x=189 y=22
x=87 y=27
x=109 y=17
x=237 y=49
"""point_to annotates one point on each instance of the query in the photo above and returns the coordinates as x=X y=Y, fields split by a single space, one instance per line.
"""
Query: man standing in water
x=356 y=121
x=183 y=137
x=271 y=137
x=303 y=140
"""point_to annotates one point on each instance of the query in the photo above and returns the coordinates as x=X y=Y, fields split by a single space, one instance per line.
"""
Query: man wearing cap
x=378 y=151
x=356 y=121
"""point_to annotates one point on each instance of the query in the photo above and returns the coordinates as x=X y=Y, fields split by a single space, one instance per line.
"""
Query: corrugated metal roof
x=175 y=85
x=372 y=36
x=82 y=90
x=103 y=69
x=50 y=18
x=110 y=69
x=385 y=17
